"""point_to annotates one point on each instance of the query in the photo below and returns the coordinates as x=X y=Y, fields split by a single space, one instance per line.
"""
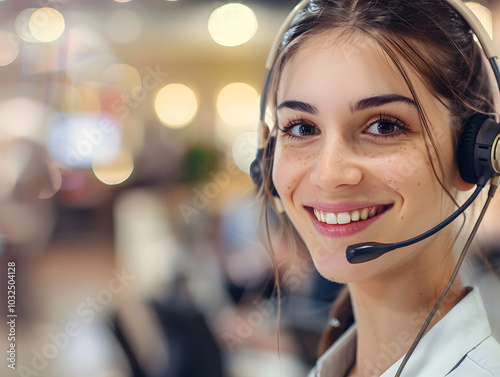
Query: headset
x=478 y=160
x=478 y=151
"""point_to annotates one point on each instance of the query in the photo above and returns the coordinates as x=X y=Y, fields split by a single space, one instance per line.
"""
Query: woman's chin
x=336 y=268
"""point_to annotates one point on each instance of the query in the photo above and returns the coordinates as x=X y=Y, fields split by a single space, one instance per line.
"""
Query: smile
x=342 y=218
x=344 y=222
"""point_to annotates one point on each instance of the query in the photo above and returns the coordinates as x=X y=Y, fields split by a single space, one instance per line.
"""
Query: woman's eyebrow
x=375 y=101
x=299 y=106
x=362 y=104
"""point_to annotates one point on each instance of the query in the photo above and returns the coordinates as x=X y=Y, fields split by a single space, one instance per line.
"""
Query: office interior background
x=126 y=129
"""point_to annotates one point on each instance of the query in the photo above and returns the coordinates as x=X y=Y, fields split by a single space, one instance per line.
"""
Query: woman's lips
x=348 y=222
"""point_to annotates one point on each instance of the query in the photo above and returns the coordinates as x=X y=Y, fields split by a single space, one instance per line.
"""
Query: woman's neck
x=390 y=312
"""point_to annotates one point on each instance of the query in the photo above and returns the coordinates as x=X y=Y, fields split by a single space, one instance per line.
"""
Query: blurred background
x=126 y=133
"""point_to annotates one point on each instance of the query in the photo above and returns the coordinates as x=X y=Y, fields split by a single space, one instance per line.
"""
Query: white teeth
x=355 y=215
x=364 y=214
x=330 y=218
x=345 y=217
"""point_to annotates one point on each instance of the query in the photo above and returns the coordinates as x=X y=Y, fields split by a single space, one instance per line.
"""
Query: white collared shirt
x=459 y=345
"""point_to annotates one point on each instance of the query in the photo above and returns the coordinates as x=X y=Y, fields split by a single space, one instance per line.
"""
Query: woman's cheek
x=283 y=175
x=402 y=168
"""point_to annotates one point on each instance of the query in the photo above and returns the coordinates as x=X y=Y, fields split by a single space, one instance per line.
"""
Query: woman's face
x=351 y=164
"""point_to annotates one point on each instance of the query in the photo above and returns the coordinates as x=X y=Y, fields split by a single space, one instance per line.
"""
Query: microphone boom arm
x=367 y=251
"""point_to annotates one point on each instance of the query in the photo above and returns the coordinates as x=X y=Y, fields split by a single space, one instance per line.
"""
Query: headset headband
x=471 y=19
x=458 y=5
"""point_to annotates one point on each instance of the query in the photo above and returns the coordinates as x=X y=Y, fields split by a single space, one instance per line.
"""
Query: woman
x=370 y=97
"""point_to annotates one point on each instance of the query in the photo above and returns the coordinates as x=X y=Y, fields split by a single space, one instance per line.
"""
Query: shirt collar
x=339 y=358
x=460 y=330
x=448 y=341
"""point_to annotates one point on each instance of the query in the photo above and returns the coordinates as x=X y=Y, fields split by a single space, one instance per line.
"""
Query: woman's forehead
x=344 y=61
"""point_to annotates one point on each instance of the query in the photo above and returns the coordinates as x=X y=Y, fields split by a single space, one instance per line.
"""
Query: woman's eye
x=300 y=130
x=303 y=130
x=386 y=128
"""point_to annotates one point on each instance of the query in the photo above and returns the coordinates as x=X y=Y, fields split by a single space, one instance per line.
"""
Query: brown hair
x=429 y=37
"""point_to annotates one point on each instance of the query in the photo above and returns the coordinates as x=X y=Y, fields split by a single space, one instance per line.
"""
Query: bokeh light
x=124 y=26
x=81 y=140
x=123 y=76
x=238 y=104
x=22 y=117
x=483 y=14
x=176 y=105
x=232 y=24
x=9 y=48
x=116 y=171
x=46 y=24
x=22 y=25
x=245 y=150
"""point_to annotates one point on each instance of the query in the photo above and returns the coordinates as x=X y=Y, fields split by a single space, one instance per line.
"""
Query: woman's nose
x=337 y=166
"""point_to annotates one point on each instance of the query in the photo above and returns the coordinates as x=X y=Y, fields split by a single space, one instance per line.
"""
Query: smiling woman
x=370 y=98
x=345 y=154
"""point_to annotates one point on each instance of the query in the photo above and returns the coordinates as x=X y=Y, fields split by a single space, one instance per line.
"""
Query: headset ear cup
x=256 y=170
x=466 y=148
x=261 y=167
x=477 y=150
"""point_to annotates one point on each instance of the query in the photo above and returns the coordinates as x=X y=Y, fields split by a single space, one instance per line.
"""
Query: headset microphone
x=365 y=252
